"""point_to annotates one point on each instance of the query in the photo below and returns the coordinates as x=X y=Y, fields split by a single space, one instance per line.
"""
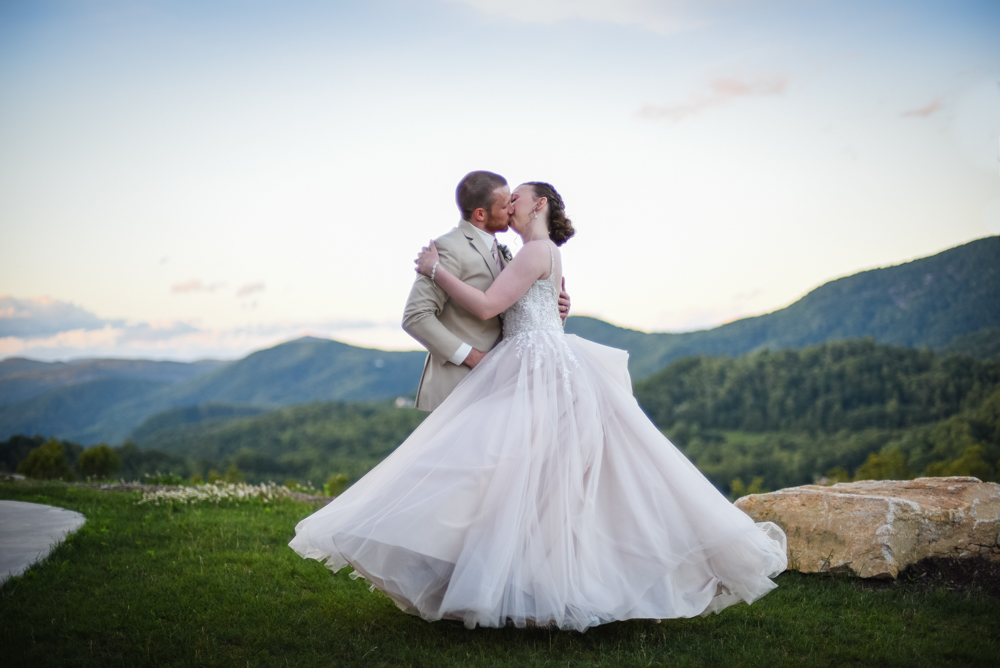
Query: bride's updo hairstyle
x=560 y=227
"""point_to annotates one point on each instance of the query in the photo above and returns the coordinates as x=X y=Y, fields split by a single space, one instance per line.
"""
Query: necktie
x=496 y=255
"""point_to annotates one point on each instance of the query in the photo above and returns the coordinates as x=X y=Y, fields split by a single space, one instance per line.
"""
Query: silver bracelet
x=434 y=270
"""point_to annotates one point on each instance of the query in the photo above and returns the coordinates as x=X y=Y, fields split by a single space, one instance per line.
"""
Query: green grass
x=207 y=585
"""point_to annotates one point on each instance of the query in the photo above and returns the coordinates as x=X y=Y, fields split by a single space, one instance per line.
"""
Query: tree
x=335 y=485
x=99 y=461
x=971 y=463
x=737 y=488
x=15 y=449
x=837 y=474
x=46 y=462
x=890 y=465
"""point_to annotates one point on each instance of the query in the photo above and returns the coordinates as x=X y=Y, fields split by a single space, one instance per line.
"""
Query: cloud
x=660 y=16
x=924 y=112
x=46 y=324
x=43 y=316
x=80 y=334
x=146 y=332
x=50 y=329
x=721 y=91
x=197 y=285
x=176 y=340
x=249 y=289
x=194 y=285
x=181 y=341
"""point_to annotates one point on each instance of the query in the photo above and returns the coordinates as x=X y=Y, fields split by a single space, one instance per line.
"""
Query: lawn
x=217 y=585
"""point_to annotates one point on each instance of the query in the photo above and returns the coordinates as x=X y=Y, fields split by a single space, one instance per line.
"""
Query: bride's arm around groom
x=441 y=325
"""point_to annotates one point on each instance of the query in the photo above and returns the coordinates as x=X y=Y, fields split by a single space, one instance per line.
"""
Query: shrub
x=890 y=465
x=738 y=489
x=213 y=477
x=971 y=463
x=163 y=479
x=837 y=474
x=99 y=461
x=15 y=449
x=234 y=475
x=47 y=461
x=335 y=485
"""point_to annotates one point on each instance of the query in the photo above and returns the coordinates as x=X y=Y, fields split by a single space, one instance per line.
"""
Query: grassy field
x=217 y=585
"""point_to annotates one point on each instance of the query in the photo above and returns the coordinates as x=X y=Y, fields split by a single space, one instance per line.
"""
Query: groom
x=455 y=339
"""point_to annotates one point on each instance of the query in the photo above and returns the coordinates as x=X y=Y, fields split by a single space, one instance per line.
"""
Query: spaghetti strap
x=552 y=263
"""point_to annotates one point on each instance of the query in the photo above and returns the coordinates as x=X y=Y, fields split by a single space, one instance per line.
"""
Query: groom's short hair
x=475 y=191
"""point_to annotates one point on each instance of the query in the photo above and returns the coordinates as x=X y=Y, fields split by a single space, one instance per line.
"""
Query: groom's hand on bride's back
x=563 y=301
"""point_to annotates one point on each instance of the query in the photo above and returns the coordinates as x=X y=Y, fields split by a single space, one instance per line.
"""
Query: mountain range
x=301 y=371
x=22 y=378
x=948 y=302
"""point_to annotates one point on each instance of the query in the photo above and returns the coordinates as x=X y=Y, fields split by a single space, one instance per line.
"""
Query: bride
x=539 y=492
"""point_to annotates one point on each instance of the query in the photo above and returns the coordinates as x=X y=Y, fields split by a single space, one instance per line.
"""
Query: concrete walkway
x=29 y=531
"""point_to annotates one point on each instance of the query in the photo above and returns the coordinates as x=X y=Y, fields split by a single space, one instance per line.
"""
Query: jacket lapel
x=476 y=240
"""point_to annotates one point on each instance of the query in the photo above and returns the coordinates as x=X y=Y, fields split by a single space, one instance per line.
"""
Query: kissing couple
x=537 y=492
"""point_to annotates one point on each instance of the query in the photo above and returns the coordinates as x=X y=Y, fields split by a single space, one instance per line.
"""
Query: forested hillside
x=305 y=442
x=946 y=300
x=98 y=410
x=964 y=444
x=203 y=415
x=837 y=410
x=849 y=385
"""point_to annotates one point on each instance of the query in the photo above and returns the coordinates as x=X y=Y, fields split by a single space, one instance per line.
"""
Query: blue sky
x=190 y=179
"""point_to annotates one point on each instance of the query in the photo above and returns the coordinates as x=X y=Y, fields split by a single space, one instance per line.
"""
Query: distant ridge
x=931 y=302
x=300 y=371
x=22 y=378
x=306 y=369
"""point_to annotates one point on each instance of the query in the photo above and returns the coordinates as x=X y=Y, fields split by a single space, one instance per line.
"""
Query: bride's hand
x=426 y=260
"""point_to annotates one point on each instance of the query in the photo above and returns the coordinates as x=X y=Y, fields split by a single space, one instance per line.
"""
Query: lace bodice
x=538 y=309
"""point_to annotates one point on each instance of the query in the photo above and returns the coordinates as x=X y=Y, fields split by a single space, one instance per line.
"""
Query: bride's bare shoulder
x=534 y=257
x=538 y=247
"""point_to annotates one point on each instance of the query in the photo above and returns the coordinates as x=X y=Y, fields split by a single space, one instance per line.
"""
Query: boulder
x=876 y=528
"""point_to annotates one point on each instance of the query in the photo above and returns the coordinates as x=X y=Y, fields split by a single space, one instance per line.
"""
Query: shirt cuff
x=459 y=357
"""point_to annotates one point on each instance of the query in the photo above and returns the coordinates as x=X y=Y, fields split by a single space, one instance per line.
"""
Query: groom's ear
x=479 y=215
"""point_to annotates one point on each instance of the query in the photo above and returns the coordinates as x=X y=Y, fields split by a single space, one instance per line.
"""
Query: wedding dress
x=540 y=492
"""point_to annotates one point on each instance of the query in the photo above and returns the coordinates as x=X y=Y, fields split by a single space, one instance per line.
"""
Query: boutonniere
x=507 y=257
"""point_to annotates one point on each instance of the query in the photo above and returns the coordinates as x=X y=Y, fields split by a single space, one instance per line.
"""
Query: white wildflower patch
x=216 y=492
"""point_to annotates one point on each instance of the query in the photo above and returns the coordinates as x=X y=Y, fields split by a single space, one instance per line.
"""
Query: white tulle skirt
x=540 y=492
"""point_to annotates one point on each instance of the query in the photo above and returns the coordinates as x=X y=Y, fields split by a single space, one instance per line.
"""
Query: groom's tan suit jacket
x=440 y=324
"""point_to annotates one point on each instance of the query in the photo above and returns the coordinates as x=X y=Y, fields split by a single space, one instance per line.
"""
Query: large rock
x=876 y=528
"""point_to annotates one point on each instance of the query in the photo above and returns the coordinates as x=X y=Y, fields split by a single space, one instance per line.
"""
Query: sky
x=194 y=179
